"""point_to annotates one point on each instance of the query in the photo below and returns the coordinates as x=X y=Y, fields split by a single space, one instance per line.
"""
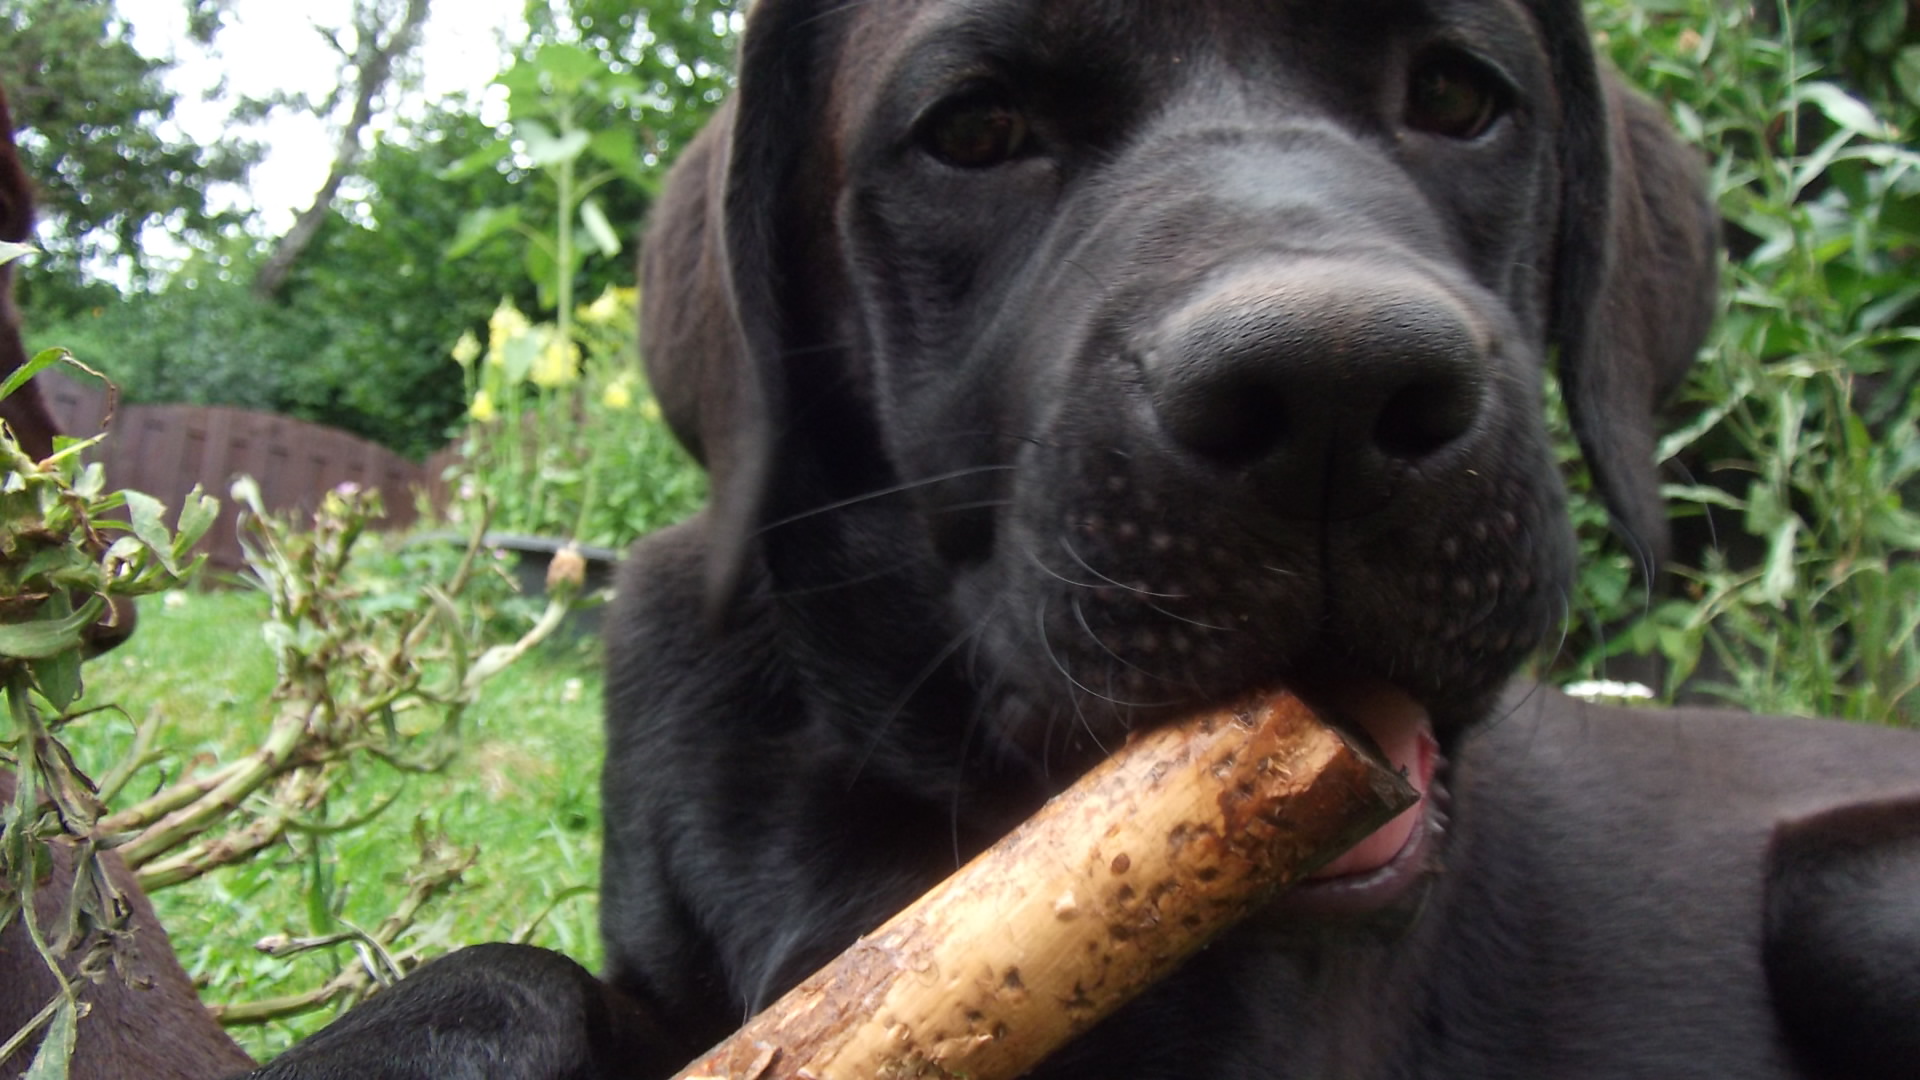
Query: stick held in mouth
x=1104 y=891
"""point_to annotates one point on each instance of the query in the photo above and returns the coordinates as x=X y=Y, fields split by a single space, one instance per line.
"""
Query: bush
x=565 y=441
x=1796 y=457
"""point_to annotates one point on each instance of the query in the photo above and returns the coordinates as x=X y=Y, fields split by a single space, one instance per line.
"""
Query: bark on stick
x=1105 y=890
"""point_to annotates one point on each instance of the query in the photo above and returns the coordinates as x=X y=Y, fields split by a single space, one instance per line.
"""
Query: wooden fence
x=164 y=450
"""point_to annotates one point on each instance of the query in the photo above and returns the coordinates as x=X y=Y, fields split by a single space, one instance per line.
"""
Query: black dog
x=1064 y=364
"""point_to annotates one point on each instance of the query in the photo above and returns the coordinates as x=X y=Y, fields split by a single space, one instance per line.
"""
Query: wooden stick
x=1105 y=890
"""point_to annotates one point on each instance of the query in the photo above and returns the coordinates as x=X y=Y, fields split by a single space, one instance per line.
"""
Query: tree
x=681 y=51
x=377 y=278
x=384 y=32
x=92 y=114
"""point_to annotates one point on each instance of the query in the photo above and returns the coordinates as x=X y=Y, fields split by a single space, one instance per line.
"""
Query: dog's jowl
x=1064 y=365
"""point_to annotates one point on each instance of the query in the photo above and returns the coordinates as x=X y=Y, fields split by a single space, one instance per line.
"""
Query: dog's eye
x=1454 y=96
x=975 y=132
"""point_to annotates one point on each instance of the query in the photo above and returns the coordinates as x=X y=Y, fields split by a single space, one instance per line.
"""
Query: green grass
x=523 y=788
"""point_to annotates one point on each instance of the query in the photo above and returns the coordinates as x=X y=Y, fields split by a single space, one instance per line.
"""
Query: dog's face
x=1151 y=353
x=1217 y=365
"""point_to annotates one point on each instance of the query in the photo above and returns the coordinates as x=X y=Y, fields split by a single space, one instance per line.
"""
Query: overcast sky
x=271 y=45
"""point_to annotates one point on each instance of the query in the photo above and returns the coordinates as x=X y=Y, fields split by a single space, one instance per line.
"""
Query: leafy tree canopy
x=92 y=115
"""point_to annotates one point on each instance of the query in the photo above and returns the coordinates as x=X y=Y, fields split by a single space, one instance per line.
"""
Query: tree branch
x=376 y=68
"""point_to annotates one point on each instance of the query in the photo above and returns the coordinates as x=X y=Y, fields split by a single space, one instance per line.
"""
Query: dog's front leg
x=502 y=1012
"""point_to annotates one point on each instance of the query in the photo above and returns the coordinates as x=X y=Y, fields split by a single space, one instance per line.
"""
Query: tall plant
x=562 y=434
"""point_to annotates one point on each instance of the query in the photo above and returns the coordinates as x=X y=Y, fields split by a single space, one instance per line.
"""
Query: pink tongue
x=1405 y=734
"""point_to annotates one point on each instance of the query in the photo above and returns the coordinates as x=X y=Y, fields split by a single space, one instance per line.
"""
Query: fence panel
x=164 y=450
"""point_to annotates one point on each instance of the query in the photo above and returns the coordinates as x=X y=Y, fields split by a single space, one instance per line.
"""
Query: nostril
x=1422 y=417
x=1229 y=420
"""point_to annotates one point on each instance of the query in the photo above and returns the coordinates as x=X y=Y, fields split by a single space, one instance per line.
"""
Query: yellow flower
x=602 y=311
x=618 y=395
x=557 y=365
x=466 y=350
x=503 y=327
x=650 y=409
x=482 y=407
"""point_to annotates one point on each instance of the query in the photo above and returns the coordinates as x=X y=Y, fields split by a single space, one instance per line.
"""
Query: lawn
x=522 y=788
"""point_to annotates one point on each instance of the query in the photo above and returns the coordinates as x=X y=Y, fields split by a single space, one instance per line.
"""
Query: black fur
x=1228 y=376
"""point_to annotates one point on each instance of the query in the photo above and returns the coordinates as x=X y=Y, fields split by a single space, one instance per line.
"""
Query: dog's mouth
x=1384 y=867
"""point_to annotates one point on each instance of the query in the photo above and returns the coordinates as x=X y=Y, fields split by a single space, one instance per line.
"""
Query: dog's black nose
x=1322 y=381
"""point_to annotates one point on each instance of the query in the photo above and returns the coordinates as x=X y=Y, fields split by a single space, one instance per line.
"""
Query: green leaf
x=58 y=678
x=148 y=515
x=546 y=149
x=569 y=66
x=1906 y=72
x=541 y=270
x=1701 y=493
x=91 y=481
x=477 y=162
x=480 y=226
x=41 y=361
x=1895 y=526
x=197 y=514
x=520 y=353
x=56 y=1048
x=43 y=638
x=1882 y=28
x=1845 y=110
x=598 y=228
x=619 y=149
x=1781 y=574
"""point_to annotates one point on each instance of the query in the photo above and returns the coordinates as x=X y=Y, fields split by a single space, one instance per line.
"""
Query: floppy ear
x=713 y=327
x=1635 y=276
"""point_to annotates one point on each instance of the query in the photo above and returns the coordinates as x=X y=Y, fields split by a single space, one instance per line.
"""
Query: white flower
x=1607 y=690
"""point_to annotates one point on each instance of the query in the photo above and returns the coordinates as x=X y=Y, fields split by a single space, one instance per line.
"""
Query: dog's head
x=1114 y=357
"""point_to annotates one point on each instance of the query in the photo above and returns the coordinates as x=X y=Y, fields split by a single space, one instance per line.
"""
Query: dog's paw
x=1842 y=942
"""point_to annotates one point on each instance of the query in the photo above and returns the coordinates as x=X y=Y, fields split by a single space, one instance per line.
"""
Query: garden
x=395 y=740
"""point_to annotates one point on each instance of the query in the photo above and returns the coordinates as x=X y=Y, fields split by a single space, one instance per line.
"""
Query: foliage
x=379 y=366
x=1873 y=45
x=547 y=95
x=679 y=53
x=58 y=572
x=568 y=441
x=1800 y=460
x=522 y=789
x=202 y=340
x=334 y=350
x=92 y=116
x=555 y=426
x=374 y=675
